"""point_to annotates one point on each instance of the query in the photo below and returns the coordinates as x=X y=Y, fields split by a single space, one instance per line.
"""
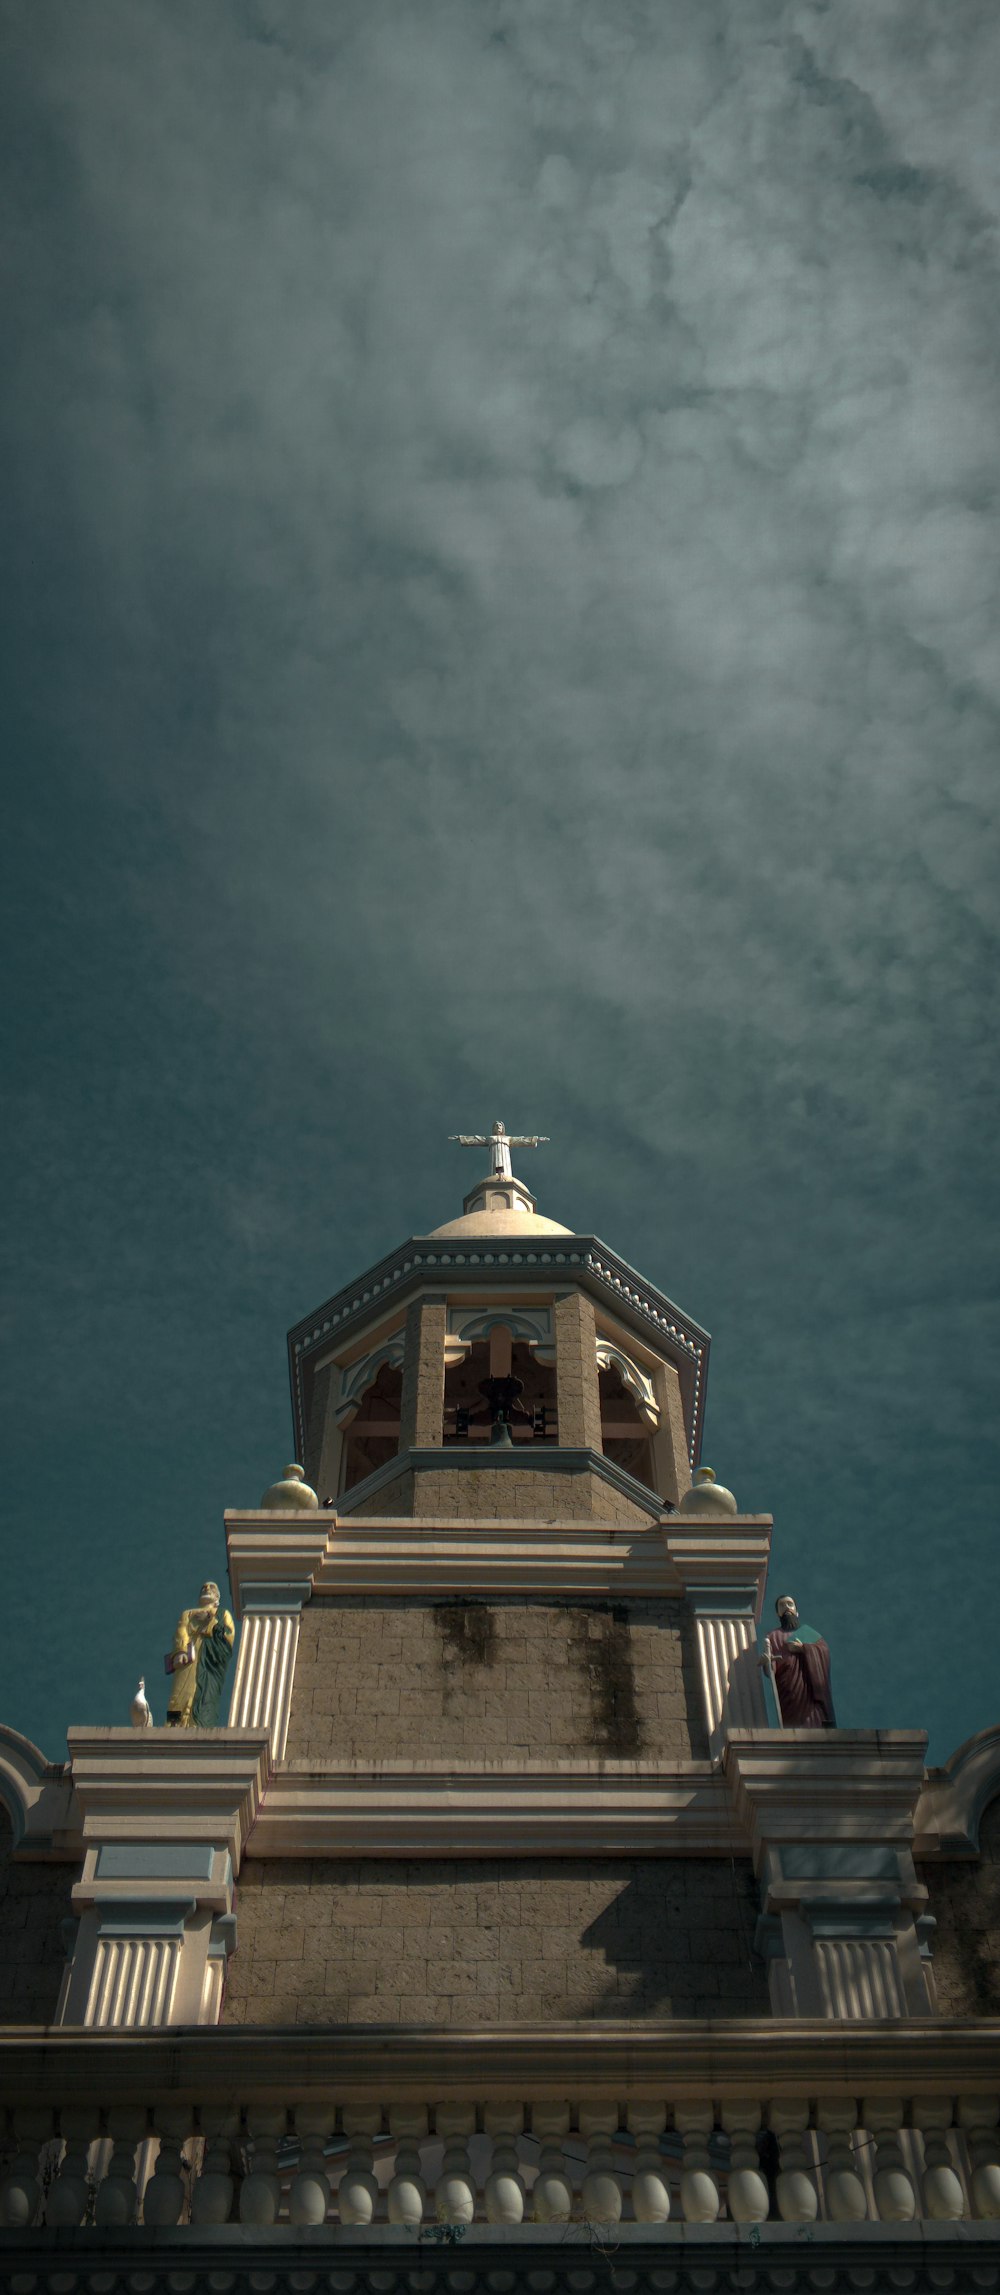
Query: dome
x=509 y=1221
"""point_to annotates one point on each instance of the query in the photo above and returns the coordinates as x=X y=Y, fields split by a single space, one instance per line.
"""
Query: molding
x=154 y=1861
x=688 y=2258
x=273 y=1595
x=385 y=1555
x=745 y=2057
x=637 y=1381
x=795 y=1785
x=512 y=1261
x=510 y=1809
x=721 y=1560
x=144 y=1916
x=955 y=1798
x=169 y=1784
x=357 y=1376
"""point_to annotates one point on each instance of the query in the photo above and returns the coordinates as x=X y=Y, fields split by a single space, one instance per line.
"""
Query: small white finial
x=141 y=1716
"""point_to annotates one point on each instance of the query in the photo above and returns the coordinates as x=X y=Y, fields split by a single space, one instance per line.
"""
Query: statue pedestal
x=830 y=1815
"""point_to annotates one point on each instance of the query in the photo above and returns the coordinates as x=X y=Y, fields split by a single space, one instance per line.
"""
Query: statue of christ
x=499 y=1141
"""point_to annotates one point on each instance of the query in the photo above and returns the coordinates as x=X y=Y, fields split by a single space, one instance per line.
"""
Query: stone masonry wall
x=482 y=1680
x=481 y=1943
x=489 y=1493
x=34 y=1900
x=965 y=1901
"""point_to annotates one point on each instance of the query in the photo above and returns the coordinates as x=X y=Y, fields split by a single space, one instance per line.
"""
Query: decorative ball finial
x=707 y=1496
x=291 y=1495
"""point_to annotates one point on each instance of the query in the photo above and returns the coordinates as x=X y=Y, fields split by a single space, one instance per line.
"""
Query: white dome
x=516 y=1221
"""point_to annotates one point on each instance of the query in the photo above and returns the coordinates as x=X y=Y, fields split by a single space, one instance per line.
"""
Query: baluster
x=504 y=2191
x=68 y=2193
x=650 y=2189
x=978 y=2116
x=309 y=2197
x=260 y=2191
x=602 y=2188
x=407 y=2195
x=699 y=2190
x=798 y=2198
x=943 y=2197
x=21 y=2191
x=552 y=2198
x=894 y=2194
x=846 y=2198
x=212 y=2194
x=117 y=2200
x=455 y=2197
x=357 y=2197
x=163 y=2200
x=747 y=2196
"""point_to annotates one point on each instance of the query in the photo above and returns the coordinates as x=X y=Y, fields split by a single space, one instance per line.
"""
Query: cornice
x=710 y=2058
x=169 y=1784
x=413 y=1554
x=825 y=1784
x=570 y=1259
x=500 y=1809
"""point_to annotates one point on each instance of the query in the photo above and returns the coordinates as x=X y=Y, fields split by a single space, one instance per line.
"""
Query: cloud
x=506 y=515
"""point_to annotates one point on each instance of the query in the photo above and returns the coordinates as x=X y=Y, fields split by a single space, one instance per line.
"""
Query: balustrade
x=889 y=2159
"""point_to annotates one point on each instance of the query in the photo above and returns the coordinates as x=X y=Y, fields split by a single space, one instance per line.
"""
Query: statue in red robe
x=798 y=1660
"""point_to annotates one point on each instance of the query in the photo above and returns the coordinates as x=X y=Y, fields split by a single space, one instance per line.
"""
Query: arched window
x=625 y=1434
x=468 y=1407
x=372 y=1437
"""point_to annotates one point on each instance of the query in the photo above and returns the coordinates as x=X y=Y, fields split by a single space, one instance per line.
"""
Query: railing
x=312 y=2162
x=657 y=2126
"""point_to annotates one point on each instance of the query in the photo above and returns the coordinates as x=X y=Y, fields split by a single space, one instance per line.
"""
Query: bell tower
x=500 y=1619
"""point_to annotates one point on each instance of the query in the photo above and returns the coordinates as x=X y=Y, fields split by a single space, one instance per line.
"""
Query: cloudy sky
x=500 y=545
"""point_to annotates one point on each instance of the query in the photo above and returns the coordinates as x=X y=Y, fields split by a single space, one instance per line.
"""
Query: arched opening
x=372 y=1437
x=625 y=1435
x=468 y=1408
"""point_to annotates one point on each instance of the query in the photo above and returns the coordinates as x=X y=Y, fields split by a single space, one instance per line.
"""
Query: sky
x=500 y=547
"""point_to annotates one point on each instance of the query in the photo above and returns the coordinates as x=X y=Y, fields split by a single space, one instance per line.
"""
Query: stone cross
x=499 y=1141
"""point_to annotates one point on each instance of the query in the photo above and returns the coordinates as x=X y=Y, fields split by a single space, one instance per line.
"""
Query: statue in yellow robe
x=203 y=1646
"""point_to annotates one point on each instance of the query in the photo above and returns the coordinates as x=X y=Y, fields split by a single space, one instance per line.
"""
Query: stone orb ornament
x=291 y=1495
x=707 y=1496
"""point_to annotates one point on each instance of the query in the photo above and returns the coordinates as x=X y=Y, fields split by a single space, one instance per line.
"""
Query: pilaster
x=165 y=1813
x=578 y=1394
x=265 y=1665
x=830 y=1814
x=422 y=1405
x=722 y=1567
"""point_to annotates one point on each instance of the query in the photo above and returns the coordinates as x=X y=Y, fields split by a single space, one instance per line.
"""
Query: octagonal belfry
x=396 y=1380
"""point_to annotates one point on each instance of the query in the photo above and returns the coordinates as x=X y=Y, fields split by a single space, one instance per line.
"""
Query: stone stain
x=601 y=1646
x=468 y=1633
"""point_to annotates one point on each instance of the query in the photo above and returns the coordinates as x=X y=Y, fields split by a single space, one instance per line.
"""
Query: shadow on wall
x=679 y=1937
x=34 y=1902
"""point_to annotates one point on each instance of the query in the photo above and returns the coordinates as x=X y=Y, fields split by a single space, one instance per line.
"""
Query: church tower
x=519 y=1926
x=509 y=1629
